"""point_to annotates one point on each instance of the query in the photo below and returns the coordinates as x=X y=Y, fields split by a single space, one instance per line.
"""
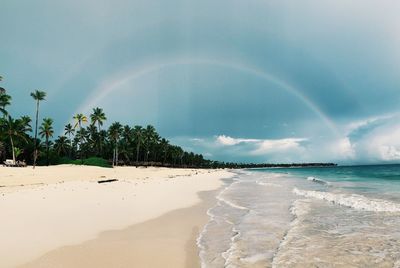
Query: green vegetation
x=92 y=161
x=38 y=96
x=87 y=143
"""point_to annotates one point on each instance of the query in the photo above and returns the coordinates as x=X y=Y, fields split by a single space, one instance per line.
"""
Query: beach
x=62 y=216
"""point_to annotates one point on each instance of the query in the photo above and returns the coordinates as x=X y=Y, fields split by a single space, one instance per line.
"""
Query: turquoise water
x=306 y=217
x=380 y=180
x=381 y=173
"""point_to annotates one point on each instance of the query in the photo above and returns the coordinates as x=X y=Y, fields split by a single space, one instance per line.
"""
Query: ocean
x=346 y=216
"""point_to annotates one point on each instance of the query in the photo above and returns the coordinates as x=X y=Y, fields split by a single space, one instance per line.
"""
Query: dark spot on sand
x=106 y=181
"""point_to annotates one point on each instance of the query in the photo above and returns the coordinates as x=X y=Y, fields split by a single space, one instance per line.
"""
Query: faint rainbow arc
x=106 y=88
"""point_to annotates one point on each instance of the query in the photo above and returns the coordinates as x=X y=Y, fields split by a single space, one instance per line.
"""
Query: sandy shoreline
x=61 y=208
x=166 y=241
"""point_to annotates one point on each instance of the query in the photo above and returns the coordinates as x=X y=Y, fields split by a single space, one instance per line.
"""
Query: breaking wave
x=355 y=201
x=314 y=179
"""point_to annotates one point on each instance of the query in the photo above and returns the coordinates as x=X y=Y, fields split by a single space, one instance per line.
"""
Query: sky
x=236 y=80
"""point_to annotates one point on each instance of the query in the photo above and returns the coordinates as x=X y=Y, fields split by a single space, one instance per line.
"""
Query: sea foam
x=355 y=201
x=270 y=184
x=314 y=179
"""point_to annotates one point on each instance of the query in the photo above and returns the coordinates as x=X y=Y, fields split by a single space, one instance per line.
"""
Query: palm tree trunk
x=36 y=128
x=47 y=151
x=116 y=153
x=98 y=131
x=113 y=157
x=70 y=146
x=81 y=152
x=137 y=153
x=80 y=142
x=13 y=150
x=147 y=154
x=113 y=161
x=165 y=157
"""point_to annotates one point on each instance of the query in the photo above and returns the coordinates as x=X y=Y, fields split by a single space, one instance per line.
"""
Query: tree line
x=87 y=138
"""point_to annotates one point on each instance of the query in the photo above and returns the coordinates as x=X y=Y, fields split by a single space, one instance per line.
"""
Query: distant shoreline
x=292 y=165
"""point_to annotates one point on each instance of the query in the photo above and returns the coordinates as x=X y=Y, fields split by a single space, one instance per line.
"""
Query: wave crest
x=355 y=201
x=314 y=179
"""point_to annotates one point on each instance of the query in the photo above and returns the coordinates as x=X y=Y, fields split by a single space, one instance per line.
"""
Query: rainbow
x=112 y=85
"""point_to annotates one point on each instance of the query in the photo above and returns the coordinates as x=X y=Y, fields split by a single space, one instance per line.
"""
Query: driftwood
x=105 y=181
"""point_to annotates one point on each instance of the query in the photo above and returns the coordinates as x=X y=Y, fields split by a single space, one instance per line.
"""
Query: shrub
x=91 y=161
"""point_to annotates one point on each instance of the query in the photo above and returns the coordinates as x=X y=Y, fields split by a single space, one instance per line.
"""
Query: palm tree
x=102 y=138
x=127 y=134
x=2 y=90
x=69 y=130
x=5 y=100
x=38 y=96
x=61 y=145
x=80 y=119
x=17 y=152
x=47 y=131
x=138 y=137
x=13 y=129
x=26 y=123
x=156 y=146
x=177 y=153
x=114 y=132
x=164 y=144
x=126 y=141
x=98 y=116
x=81 y=136
x=149 y=135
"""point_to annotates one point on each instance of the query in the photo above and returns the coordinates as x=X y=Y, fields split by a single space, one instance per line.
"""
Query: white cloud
x=340 y=149
x=390 y=153
x=355 y=125
x=383 y=143
x=258 y=147
x=345 y=148
x=370 y=140
x=375 y=139
x=280 y=145
x=229 y=141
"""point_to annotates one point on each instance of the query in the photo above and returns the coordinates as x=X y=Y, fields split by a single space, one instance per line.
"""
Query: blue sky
x=256 y=80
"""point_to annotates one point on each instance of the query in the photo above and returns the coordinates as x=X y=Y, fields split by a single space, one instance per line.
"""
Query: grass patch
x=91 y=161
x=95 y=161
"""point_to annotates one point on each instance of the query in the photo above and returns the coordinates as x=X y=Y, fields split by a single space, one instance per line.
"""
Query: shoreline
x=71 y=207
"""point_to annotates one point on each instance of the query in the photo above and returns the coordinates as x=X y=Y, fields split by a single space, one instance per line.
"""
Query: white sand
x=64 y=205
